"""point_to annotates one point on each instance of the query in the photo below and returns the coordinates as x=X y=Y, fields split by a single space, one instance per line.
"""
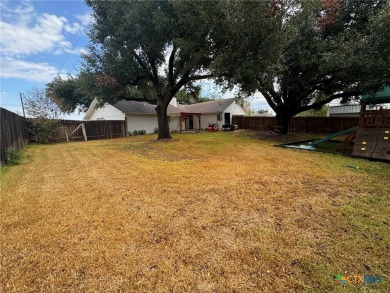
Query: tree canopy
x=299 y=54
x=149 y=50
x=325 y=50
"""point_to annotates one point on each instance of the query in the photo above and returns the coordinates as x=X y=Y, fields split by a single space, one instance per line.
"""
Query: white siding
x=206 y=120
x=174 y=124
x=147 y=122
x=344 y=110
x=107 y=112
x=233 y=109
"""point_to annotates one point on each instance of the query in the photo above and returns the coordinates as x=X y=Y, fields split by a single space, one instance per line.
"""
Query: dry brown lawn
x=210 y=212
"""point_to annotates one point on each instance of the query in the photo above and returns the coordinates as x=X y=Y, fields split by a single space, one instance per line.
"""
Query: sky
x=42 y=39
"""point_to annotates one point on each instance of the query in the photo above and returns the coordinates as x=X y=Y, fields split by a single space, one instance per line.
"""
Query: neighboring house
x=344 y=111
x=261 y=115
x=142 y=115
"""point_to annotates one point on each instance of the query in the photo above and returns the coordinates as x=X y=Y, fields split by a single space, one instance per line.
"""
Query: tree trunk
x=162 y=119
x=283 y=120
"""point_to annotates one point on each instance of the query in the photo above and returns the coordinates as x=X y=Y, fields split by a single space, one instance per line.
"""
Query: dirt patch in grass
x=212 y=212
x=158 y=150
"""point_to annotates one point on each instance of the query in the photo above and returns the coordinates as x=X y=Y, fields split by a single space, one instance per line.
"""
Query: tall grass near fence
x=13 y=134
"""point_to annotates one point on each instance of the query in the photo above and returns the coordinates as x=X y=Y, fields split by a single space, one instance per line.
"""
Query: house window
x=219 y=117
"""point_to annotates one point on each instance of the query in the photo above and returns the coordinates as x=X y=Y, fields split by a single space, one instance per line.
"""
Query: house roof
x=215 y=106
x=134 y=107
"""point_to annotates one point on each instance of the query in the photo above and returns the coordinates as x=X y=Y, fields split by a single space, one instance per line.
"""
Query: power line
x=69 y=53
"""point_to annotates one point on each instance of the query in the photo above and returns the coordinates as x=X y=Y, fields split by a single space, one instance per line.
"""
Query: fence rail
x=97 y=129
x=375 y=118
x=13 y=133
x=70 y=130
x=298 y=124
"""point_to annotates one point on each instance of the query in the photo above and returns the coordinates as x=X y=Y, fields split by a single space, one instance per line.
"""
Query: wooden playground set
x=370 y=139
x=373 y=133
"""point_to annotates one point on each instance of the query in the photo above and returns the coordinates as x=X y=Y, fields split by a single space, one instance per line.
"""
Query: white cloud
x=24 y=12
x=37 y=72
x=45 y=36
x=72 y=28
x=25 y=32
x=85 y=19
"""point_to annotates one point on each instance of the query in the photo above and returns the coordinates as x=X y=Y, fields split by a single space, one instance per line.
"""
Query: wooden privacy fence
x=298 y=124
x=13 y=133
x=71 y=130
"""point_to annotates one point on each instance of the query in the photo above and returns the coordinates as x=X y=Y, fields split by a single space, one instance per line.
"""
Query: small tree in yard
x=44 y=113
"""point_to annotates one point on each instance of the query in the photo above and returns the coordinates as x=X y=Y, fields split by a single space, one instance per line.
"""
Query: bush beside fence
x=298 y=124
x=13 y=133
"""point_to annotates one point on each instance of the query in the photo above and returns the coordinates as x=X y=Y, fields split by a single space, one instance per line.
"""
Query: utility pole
x=21 y=99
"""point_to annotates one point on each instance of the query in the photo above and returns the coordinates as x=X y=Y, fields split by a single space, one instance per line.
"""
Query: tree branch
x=152 y=63
x=271 y=94
x=144 y=98
x=137 y=79
x=179 y=68
x=186 y=78
x=140 y=61
x=329 y=99
x=183 y=80
x=170 y=66
x=268 y=98
x=199 y=77
x=154 y=78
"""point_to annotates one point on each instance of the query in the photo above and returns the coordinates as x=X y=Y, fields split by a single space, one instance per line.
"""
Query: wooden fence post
x=84 y=132
x=109 y=126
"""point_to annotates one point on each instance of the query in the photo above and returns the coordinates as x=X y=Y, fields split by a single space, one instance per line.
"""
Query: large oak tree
x=325 y=50
x=146 y=51
x=150 y=50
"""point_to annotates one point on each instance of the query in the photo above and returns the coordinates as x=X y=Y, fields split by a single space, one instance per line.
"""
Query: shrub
x=12 y=156
x=43 y=130
x=137 y=132
x=43 y=126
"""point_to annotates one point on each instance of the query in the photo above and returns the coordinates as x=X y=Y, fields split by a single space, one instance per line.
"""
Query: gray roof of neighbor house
x=215 y=106
x=135 y=107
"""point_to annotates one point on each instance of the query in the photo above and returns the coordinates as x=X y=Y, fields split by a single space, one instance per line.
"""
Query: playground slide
x=329 y=137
